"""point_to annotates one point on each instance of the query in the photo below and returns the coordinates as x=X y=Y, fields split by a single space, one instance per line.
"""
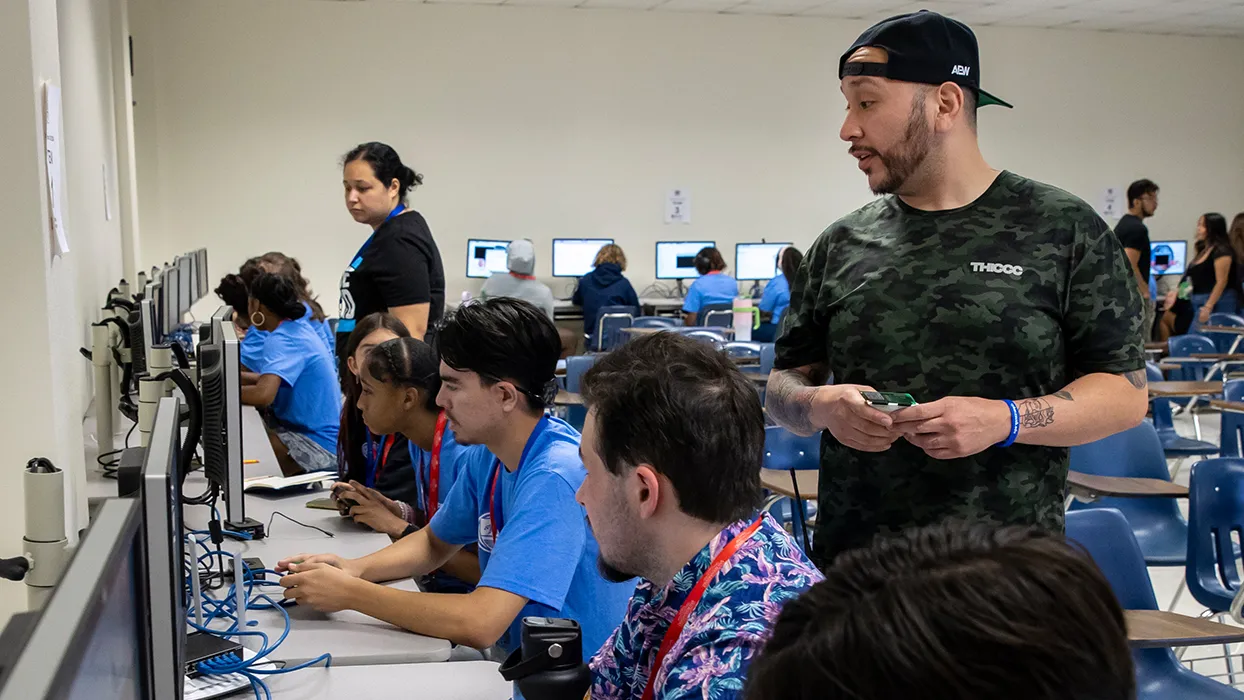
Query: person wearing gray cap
x=520 y=282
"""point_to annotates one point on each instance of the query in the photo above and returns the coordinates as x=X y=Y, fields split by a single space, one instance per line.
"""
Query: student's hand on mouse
x=956 y=426
x=291 y=564
x=847 y=416
x=374 y=495
x=339 y=489
x=320 y=586
x=375 y=515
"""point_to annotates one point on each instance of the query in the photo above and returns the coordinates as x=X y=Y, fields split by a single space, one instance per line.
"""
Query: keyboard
x=206 y=687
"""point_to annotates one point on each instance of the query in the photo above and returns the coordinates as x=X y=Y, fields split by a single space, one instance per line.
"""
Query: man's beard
x=612 y=574
x=907 y=157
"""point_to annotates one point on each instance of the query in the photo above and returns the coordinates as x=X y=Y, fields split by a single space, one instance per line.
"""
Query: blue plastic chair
x=785 y=451
x=739 y=348
x=1173 y=444
x=1215 y=512
x=1232 y=423
x=1225 y=341
x=711 y=315
x=655 y=322
x=1186 y=346
x=716 y=339
x=610 y=320
x=1106 y=536
x=767 y=357
x=1158 y=525
x=576 y=365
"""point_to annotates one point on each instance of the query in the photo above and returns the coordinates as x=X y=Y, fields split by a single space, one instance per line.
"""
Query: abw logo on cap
x=961 y=70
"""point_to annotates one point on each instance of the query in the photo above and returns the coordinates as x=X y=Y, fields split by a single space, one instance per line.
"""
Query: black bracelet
x=410 y=529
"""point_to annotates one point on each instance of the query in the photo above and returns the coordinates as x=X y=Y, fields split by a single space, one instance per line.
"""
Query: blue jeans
x=1228 y=303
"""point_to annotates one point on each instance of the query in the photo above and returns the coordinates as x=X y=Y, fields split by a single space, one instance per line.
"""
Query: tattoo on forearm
x=1139 y=378
x=789 y=402
x=1064 y=395
x=1035 y=413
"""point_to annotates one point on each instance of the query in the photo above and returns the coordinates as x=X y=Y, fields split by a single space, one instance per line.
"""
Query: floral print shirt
x=723 y=634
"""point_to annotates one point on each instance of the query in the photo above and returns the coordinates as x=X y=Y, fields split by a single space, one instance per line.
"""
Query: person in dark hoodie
x=604 y=286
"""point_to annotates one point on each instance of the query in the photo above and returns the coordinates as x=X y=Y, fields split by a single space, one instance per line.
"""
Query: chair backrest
x=767 y=356
x=631 y=311
x=1215 y=521
x=655 y=322
x=576 y=365
x=1107 y=537
x=786 y=450
x=716 y=339
x=739 y=348
x=1131 y=453
x=1163 y=421
x=1186 y=346
x=1232 y=436
x=609 y=321
x=720 y=314
x=1224 y=319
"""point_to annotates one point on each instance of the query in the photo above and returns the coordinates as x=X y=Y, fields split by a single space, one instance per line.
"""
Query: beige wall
x=52 y=300
x=547 y=122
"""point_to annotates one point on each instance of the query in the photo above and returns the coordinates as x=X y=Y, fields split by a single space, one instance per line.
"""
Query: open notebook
x=278 y=483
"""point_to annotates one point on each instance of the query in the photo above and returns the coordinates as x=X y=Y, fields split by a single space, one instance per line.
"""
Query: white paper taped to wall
x=56 y=182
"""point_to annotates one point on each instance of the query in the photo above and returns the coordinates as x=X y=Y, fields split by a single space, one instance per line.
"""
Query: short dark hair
x=791 y=260
x=952 y=611
x=709 y=260
x=970 y=102
x=407 y=362
x=386 y=164
x=503 y=338
x=1139 y=189
x=232 y=290
x=279 y=294
x=683 y=407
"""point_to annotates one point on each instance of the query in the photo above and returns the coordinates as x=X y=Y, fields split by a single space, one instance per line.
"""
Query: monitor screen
x=1168 y=257
x=172 y=299
x=574 y=257
x=486 y=257
x=676 y=259
x=757 y=261
x=187 y=276
x=90 y=639
x=165 y=550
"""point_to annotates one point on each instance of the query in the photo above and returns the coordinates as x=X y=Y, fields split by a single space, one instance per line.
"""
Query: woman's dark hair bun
x=386 y=164
x=279 y=294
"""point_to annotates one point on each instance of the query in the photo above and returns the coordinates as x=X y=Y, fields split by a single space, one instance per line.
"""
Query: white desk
x=463 y=680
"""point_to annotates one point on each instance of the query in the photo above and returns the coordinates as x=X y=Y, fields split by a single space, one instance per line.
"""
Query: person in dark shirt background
x=1142 y=203
x=604 y=286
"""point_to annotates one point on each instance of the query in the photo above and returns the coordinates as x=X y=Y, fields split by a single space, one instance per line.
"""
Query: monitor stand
x=755 y=290
x=682 y=293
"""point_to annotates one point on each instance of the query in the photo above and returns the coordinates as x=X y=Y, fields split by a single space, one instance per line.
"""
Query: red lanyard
x=492 y=503
x=434 y=469
x=693 y=599
x=373 y=470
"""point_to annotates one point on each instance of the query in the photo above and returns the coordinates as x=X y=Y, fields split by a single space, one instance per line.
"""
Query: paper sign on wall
x=1111 y=203
x=678 y=207
x=56 y=182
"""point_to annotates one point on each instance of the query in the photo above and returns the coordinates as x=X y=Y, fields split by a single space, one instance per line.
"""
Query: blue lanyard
x=494 y=508
x=420 y=465
x=375 y=460
x=358 y=257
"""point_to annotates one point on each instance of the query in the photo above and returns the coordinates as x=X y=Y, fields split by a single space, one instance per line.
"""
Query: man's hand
x=848 y=417
x=956 y=426
x=320 y=586
x=288 y=564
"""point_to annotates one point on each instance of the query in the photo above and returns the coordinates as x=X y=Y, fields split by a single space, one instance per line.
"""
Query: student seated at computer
x=520 y=282
x=604 y=286
x=400 y=381
x=378 y=461
x=713 y=286
x=536 y=552
x=291 y=269
x=673 y=444
x=776 y=297
x=298 y=383
x=951 y=611
x=233 y=290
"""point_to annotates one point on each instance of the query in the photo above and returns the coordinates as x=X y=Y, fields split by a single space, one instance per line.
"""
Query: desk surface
x=1222 y=329
x=724 y=330
x=1220 y=356
x=1184 y=389
x=1147 y=629
x=779 y=482
x=1234 y=406
x=1094 y=486
x=567 y=398
x=463 y=680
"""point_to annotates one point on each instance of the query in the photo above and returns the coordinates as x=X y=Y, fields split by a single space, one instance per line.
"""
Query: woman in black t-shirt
x=1213 y=273
x=398 y=269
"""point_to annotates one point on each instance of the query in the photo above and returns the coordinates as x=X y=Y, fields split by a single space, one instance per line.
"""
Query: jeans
x=1228 y=303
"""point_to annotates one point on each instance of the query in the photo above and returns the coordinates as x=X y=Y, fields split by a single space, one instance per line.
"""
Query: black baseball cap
x=924 y=47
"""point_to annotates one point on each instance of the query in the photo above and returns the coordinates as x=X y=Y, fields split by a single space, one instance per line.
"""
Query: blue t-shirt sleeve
x=695 y=298
x=284 y=356
x=769 y=300
x=547 y=527
x=456 y=521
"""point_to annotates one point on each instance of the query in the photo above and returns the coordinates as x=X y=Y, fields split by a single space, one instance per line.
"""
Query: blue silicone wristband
x=1010 y=439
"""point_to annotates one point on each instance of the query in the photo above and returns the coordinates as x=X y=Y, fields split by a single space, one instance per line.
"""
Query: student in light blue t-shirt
x=298 y=383
x=776 y=299
x=234 y=290
x=713 y=286
x=537 y=554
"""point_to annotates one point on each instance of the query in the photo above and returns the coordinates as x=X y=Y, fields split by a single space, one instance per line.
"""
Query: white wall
x=547 y=122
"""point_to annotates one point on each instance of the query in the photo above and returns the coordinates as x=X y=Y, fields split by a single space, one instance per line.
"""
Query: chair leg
x=1179 y=464
x=1226 y=650
x=1196 y=422
x=1183 y=586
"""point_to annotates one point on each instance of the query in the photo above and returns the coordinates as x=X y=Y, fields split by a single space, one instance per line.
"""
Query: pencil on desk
x=250 y=461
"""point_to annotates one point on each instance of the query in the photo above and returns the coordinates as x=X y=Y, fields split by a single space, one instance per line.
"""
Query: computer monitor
x=187 y=275
x=486 y=257
x=676 y=259
x=1168 y=257
x=575 y=257
x=204 y=285
x=172 y=298
x=155 y=295
x=90 y=640
x=221 y=388
x=757 y=261
x=164 y=547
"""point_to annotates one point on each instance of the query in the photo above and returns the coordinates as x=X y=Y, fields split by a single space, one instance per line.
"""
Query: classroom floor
x=1166 y=580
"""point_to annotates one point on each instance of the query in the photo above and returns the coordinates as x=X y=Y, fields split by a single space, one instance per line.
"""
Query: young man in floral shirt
x=673 y=444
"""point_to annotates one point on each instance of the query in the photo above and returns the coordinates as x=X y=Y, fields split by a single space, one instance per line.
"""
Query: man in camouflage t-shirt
x=963 y=286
